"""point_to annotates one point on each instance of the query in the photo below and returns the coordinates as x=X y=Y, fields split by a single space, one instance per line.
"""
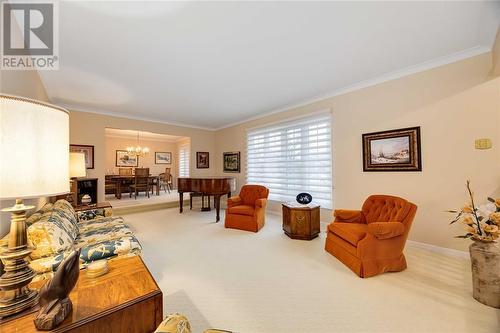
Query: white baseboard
x=439 y=249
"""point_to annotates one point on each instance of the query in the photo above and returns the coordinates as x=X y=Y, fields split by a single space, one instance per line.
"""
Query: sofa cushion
x=110 y=248
x=99 y=222
x=348 y=231
x=67 y=215
x=48 y=264
x=49 y=236
x=92 y=214
x=113 y=229
x=36 y=216
x=242 y=210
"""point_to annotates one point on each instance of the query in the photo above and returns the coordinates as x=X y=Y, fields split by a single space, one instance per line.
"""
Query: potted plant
x=482 y=226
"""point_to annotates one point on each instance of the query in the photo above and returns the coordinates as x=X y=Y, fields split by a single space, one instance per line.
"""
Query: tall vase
x=485 y=262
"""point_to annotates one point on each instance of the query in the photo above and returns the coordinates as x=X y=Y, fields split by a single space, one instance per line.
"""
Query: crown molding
x=142 y=138
x=119 y=115
x=421 y=67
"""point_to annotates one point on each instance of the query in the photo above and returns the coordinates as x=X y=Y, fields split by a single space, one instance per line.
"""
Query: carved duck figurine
x=55 y=304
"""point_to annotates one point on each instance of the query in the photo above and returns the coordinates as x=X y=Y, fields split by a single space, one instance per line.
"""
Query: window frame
x=324 y=194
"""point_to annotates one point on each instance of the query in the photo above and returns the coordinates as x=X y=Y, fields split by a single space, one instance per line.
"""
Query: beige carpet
x=266 y=282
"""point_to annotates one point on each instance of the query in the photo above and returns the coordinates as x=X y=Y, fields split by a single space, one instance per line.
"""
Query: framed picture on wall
x=231 y=162
x=393 y=150
x=124 y=159
x=202 y=160
x=87 y=150
x=162 y=157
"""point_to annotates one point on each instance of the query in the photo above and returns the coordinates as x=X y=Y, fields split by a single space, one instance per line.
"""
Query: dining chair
x=141 y=182
x=125 y=171
x=110 y=185
x=169 y=179
x=163 y=182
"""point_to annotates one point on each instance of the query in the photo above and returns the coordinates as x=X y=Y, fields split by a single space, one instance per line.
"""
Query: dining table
x=123 y=180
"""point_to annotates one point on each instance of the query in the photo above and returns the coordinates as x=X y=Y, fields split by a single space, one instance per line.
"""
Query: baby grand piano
x=216 y=186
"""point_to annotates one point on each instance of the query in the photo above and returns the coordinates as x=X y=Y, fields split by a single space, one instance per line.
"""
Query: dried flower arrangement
x=481 y=223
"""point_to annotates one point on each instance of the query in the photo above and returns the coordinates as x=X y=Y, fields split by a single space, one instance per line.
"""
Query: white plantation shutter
x=184 y=153
x=291 y=158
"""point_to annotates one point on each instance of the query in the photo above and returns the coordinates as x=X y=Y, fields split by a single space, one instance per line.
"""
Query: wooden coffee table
x=127 y=299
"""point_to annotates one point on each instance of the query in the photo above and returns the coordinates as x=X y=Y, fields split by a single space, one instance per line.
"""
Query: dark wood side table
x=127 y=299
x=301 y=221
x=99 y=205
x=82 y=186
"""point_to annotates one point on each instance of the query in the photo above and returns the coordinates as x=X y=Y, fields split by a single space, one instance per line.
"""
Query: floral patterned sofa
x=56 y=229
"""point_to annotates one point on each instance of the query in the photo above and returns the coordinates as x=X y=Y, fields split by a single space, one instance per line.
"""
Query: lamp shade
x=77 y=165
x=34 y=148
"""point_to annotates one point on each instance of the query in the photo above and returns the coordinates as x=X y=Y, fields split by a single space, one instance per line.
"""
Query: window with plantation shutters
x=293 y=157
x=184 y=153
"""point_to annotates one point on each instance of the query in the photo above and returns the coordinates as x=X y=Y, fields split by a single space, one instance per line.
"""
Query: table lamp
x=34 y=150
x=77 y=168
x=77 y=165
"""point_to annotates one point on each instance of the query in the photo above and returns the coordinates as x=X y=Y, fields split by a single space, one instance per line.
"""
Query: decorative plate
x=304 y=198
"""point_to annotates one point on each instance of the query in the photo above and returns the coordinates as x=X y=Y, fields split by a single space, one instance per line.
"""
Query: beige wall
x=89 y=129
x=453 y=104
x=113 y=144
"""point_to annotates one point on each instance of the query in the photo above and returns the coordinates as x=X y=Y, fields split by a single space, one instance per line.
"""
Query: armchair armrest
x=384 y=230
x=345 y=215
x=234 y=201
x=261 y=202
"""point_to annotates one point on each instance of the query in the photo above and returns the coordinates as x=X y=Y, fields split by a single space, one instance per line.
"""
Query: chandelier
x=137 y=150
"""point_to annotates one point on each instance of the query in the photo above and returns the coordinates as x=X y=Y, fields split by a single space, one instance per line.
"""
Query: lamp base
x=20 y=300
x=16 y=296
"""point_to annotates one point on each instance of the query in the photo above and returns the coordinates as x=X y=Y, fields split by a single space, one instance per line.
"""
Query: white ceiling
x=211 y=64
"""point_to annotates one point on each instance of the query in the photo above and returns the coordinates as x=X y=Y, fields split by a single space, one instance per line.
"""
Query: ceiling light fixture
x=138 y=150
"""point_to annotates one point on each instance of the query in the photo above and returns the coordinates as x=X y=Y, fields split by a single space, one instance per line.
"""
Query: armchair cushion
x=382 y=208
x=250 y=193
x=242 y=210
x=345 y=215
x=234 y=201
x=384 y=230
x=350 y=232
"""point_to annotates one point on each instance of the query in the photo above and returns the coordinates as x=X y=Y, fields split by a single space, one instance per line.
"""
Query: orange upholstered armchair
x=247 y=211
x=370 y=241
